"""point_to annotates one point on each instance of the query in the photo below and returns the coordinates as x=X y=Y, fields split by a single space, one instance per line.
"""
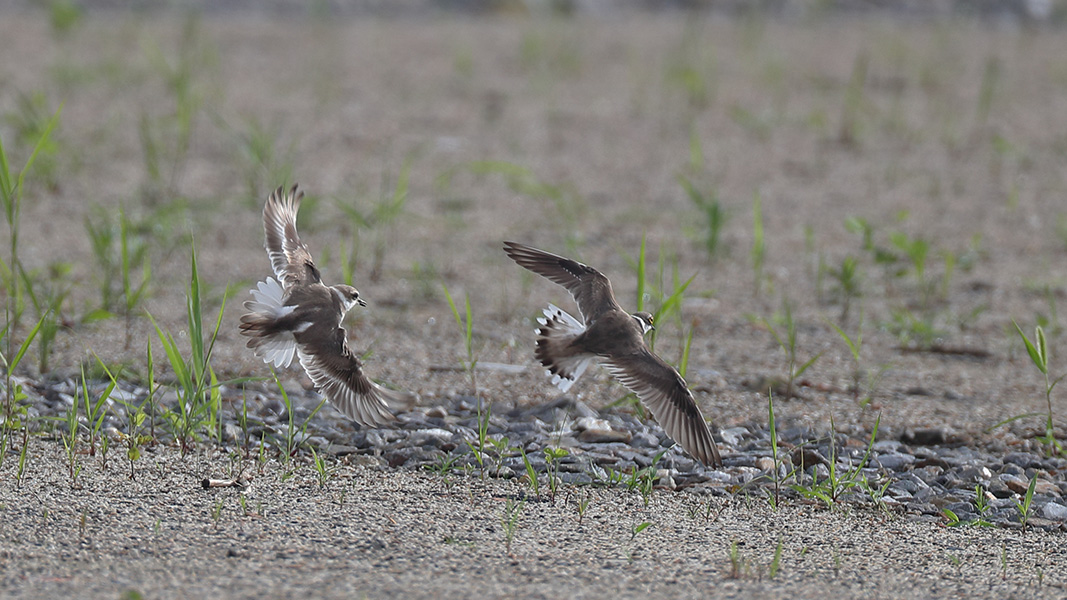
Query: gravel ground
x=569 y=135
x=372 y=533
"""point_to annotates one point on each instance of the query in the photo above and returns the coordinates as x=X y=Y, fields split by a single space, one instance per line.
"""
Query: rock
x=1054 y=511
x=1044 y=487
x=365 y=460
x=894 y=462
x=932 y=436
x=436 y=412
x=586 y=423
x=600 y=436
x=999 y=488
x=733 y=435
x=808 y=456
x=437 y=438
x=1022 y=459
x=975 y=474
x=1015 y=484
x=1011 y=469
x=643 y=439
x=887 y=446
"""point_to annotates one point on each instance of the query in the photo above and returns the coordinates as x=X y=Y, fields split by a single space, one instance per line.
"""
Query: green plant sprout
x=864 y=381
x=532 y=476
x=14 y=393
x=715 y=215
x=759 y=246
x=380 y=219
x=466 y=323
x=1025 y=511
x=510 y=521
x=1039 y=355
x=199 y=398
x=787 y=341
x=552 y=457
x=12 y=188
x=830 y=489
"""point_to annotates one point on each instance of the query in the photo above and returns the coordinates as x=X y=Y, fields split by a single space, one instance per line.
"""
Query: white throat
x=346 y=302
x=645 y=327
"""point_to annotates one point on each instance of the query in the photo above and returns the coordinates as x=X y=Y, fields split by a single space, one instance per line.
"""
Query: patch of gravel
x=374 y=531
x=927 y=475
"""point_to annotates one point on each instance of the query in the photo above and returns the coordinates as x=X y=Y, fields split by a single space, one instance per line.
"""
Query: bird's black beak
x=361 y=301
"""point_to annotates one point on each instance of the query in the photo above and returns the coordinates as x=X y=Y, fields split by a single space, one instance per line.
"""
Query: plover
x=301 y=316
x=566 y=347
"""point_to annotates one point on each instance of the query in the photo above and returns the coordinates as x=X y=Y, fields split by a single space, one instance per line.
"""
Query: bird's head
x=349 y=296
x=644 y=319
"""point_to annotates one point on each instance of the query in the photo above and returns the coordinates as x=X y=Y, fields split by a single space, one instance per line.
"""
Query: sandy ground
x=374 y=534
x=569 y=135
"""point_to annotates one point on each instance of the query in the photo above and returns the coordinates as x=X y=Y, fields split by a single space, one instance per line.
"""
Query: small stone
x=975 y=474
x=231 y=433
x=887 y=446
x=899 y=493
x=999 y=488
x=435 y=437
x=1015 y=484
x=411 y=456
x=1012 y=469
x=808 y=456
x=1054 y=511
x=1023 y=459
x=586 y=423
x=664 y=479
x=642 y=439
x=765 y=463
x=931 y=436
x=911 y=484
x=732 y=436
x=960 y=508
x=894 y=462
x=1045 y=487
x=365 y=460
x=436 y=412
x=375 y=439
x=600 y=436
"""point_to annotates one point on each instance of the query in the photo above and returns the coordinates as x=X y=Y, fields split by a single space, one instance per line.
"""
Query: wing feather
x=663 y=392
x=338 y=375
x=289 y=257
x=590 y=288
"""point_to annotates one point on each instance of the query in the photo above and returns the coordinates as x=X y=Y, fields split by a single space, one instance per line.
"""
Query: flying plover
x=301 y=316
x=566 y=347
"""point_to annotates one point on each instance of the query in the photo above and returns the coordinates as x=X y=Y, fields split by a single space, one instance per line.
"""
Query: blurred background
x=891 y=171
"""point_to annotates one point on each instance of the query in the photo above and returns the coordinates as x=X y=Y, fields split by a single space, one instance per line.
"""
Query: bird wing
x=338 y=375
x=289 y=257
x=590 y=288
x=663 y=392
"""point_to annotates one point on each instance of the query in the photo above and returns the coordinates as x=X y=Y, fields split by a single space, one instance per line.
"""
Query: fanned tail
x=558 y=329
x=272 y=345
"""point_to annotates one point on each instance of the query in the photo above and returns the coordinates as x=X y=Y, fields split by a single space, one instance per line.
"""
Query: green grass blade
x=26 y=343
x=1035 y=356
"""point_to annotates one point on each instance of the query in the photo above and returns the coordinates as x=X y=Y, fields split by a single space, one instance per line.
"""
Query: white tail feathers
x=558 y=329
x=269 y=296
x=277 y=348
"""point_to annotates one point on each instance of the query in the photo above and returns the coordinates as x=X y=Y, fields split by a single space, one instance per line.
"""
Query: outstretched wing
x=289 y=257
x=663 y=392
x=590 y=288
x=338 y=375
